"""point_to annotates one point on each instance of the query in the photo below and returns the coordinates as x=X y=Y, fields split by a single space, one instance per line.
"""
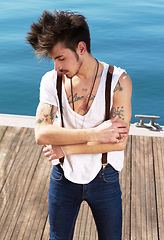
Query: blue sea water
x=128 y=33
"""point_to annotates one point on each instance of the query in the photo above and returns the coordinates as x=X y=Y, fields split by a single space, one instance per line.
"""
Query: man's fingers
x=112 y=123
x=120 y=124
x=122 y=130
x=114 y=119
x=47 y=148
x=118 y=131
x=47 y=154
x=51 y=158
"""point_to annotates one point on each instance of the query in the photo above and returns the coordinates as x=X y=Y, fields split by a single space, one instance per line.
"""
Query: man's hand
x=53 y=152
x=111 y=131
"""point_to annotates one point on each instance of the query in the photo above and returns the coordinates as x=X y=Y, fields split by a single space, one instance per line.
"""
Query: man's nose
x=57 y=66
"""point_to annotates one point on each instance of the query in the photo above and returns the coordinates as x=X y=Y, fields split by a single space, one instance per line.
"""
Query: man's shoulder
x=118 y=70
x=52 y=75
x=49 y=80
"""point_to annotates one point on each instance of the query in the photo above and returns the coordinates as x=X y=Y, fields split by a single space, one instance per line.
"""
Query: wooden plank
x=135 y=152
x=84 y=214
x=147 y=191
x=21 y=173
x=43 y=208
x=144 y=216
x=152 y=231
x=158 y=149
x=9 y=148
x=143 y=190
x=17 y=184
x=40 y=216
x=2 y=131
x=125 y=183
x=78 y=223
x=90 y=230
x=138 y=226
x=46 y=230
x=141 y=198
x=33 y=217
x=85 y=227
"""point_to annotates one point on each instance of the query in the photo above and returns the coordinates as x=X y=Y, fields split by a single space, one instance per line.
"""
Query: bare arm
x=121 y=108
x=48 y=134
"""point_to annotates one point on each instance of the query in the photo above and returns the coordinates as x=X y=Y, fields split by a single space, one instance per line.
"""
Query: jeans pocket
x=110 y=175
x=57 y=173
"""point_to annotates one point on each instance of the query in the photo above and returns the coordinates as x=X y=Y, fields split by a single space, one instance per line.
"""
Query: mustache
x=63 y=71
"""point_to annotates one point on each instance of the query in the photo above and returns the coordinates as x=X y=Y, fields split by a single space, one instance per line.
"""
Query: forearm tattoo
x=49 y=117
x=118 y=87
x=117 y=111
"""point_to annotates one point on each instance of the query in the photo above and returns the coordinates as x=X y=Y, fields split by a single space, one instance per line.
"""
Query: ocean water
x=128 y=33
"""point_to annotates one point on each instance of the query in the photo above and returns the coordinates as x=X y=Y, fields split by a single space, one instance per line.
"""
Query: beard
x=80 y=62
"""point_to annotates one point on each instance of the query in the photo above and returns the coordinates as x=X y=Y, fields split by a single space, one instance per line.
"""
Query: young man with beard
x=84 y=136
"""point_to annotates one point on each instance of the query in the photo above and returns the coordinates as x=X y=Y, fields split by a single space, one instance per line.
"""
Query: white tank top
x=82 y=168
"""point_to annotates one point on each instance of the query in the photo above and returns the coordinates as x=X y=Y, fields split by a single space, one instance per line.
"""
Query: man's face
x=66 y=61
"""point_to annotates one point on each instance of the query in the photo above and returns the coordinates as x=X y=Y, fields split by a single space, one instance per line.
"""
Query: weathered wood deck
x=24 y=182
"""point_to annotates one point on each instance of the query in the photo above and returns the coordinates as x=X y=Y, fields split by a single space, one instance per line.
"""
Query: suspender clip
x=104 y=165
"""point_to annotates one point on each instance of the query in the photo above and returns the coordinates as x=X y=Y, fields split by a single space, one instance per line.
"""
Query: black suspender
x=59 y=92
x=107 y=103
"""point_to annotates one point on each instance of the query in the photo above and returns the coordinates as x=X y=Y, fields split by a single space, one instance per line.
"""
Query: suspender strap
x=59 y=92
x=107 y=103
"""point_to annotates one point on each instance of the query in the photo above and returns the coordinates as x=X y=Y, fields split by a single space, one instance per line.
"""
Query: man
x=84 y=135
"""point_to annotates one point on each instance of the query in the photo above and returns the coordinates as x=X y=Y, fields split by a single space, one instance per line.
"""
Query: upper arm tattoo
x=39 y=120
x=45 y=113
x=117 y=111
x=52 y=114
x=118 y=87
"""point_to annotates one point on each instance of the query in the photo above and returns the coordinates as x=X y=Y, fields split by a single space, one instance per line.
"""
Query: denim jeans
x=103 y=195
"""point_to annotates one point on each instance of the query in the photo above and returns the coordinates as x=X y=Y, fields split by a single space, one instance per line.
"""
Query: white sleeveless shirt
x=82 y=168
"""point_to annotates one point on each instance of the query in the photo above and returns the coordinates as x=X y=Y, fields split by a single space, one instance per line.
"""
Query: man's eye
x=61 y=59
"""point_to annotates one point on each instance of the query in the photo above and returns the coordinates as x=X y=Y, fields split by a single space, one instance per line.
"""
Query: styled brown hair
x=61 y=26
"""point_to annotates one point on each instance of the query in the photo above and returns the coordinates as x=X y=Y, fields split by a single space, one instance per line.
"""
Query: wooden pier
x=24 y=183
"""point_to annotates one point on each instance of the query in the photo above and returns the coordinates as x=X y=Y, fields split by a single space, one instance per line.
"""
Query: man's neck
x=88 y=68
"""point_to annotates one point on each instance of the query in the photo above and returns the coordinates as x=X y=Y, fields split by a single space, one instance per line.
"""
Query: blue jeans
x=103 y=195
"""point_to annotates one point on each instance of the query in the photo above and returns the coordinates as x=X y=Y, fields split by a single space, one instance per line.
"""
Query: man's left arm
x=122 y=100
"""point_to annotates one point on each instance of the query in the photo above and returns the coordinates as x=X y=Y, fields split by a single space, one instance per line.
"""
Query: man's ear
x=81 y=48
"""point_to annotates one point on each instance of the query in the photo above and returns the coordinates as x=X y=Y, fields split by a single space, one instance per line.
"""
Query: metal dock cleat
x=151 y=125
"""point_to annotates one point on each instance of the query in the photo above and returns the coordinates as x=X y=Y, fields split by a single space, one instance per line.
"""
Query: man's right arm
x=48 y=134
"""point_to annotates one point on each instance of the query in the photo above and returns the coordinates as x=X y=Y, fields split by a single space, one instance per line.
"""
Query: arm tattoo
x=47 y=113
x=118 y=87
x=39 y=120
x=52 y=113
x=117 y=111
